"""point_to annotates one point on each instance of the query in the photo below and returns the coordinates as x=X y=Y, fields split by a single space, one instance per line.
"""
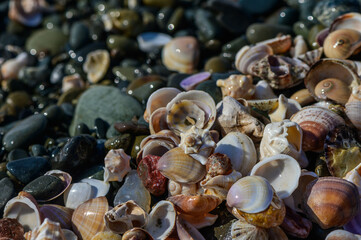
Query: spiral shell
x=195 y=205
x=116 y=165
x=342 y=43
x=176 y=188
x=158 y=121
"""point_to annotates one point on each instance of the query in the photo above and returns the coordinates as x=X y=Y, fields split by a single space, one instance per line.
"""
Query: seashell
x=237 y=86
x=192 y=108
x=296 y=225
x=148 y=41
x=64 y=177
x=116 y=165
x=190 y=83
x=199 y=221
x=276 y=233
x=161 y=220
x=57 y=213
x=158 y=99
x=283 y=137
x=342 y=43
x=242 y=230
x=11 y=68
x=96 y=65
x=240 y=149
x=198 y=143
x=48 y=230
x=28 y=13
x=126 y=192
x=341 y=235
x=186 y=231
x=335 y=84
x=342 y=151
x=158 y=121
x=303 y=97
x=353 y=107
x=263 y=91
x=354 y=224
x=76 y=194
x=282 y=172
x=106 y=236
x=251 y=194
x=218 y=164
x=137 y=233
x=180 y=167
x=300 y=46
x=350 y=20
x=181 y=54
x=331 y=201
x=24 y=209
x=124 y=217
x=248 y=56
x=355 y=177
x=232 y=116
x=281 y=72
x=219 y=185
x=316 y=122
x=284 y=109
x=73 y=81
x=87 y=219
x=278 y=44
x=10 y=228
x=176 y=188
x=195 y=205
x=310 y=57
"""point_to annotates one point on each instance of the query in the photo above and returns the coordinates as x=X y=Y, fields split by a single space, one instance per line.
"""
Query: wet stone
x=258 y=32
x=211 y=88
x=143 y=92
x=7 y=192
x=27 y=169
x=81 y=128
x=25 y=132
x=100 y=127
x=136 y=145
x=44 y=187
x=79 y=35
x=38 y=150
x=16 y=154
x=49 y=41
x=123 y=141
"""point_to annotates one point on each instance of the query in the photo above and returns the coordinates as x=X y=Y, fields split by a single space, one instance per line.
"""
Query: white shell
x=116 y=165
x=12 y=67
x=48 y=230
x=300 y=46
x=283 y=137
x=263 y=91
x=176 y=188
x=285 y=109
x=354 y=177
x=247 y=56
x=282 y=172
x=161 y=220
x=99 y=188
x=251 y=194
x=240 y=149
x=76 y=194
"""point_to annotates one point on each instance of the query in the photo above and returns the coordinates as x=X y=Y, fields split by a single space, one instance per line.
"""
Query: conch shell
x=116 y=165
x=237 y=86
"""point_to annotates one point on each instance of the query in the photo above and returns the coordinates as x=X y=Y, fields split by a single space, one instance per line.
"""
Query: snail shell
x=353 y=107
x=342 y=43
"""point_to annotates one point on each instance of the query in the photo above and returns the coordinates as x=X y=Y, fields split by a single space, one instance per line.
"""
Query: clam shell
x=181 y=54
x=251 y=194
x=330 y=89
x=25 y=209
x=186 y=231
x=73 y=81
x=64 y=177
x=283 y=137
x=342 y=43
x=350 y=20
x=248 y=56
x=159 y=99
x=341 y=235
x=200 y=221
x=48 y=230
x=242 y=230
x=161 y=220
x=96 y=65
x=180 y=167
x=331 y=201
x=192 y=81
x=237 y=86
x=58 y=213
x=158 y=121
x=137 y=233
x=240 y=149
x=87 y=219
x=116 y=165
x=278 y=44
x=195 y=205
x=282 y=172
x=264 y=91
x=310 y=57
x=316 y=122
x=124 y=217
x=76 y=194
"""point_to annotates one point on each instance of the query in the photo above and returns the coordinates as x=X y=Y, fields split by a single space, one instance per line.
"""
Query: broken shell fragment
x=96 y=65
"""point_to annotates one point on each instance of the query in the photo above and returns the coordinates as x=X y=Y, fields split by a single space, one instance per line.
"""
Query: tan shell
x=73 y=81
x=195 y=205
x=106 y=236
x=242 y=230
x=124 y=217
x=180 y=167
x=237 y=86
x=350 y=20
x=283 y=137
x=176 y=188
x=316 y=122
x=353 y=107
x=181 y=54
x=116 y=165
x=137 y=233
x=278 y=44
x=248 y=56
x=96 y=65
x=158 y=121
x=48 y=230
x=11 y=68
x=284 y=109
x=342 y=43
x=234 y=117
x=88 y=218
x=161 y=220
x=303 y=97
x=300 y=47
x=342 y=235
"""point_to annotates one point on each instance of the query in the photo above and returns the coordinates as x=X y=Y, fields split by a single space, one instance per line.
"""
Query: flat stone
x=44 y=187
x=50 y=41
x=7 y=191
x=107 y=103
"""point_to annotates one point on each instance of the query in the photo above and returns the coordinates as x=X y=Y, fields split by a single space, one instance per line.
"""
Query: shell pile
x=277 y=166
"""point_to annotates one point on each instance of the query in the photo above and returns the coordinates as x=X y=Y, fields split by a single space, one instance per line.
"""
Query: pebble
x=7 y=190
x=50 y=41
x=44 y=187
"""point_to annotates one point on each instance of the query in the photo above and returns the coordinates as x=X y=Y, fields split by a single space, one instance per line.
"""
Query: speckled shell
x=10 y=228
x=116 y=165
x=57 y=213
x=96 y=65
x=88 y=218
x=251 y=194
x=48 y=230
x=195 y=205
x=181 y=54
x=240 y=149
x=334 y=69
x=161 y=220
x=283 y=137
x=316 y=122
x=237 y=86
x=124 y=217
x=331 y=201
x=281 y=171
x=180 y=167
x=25 y=209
